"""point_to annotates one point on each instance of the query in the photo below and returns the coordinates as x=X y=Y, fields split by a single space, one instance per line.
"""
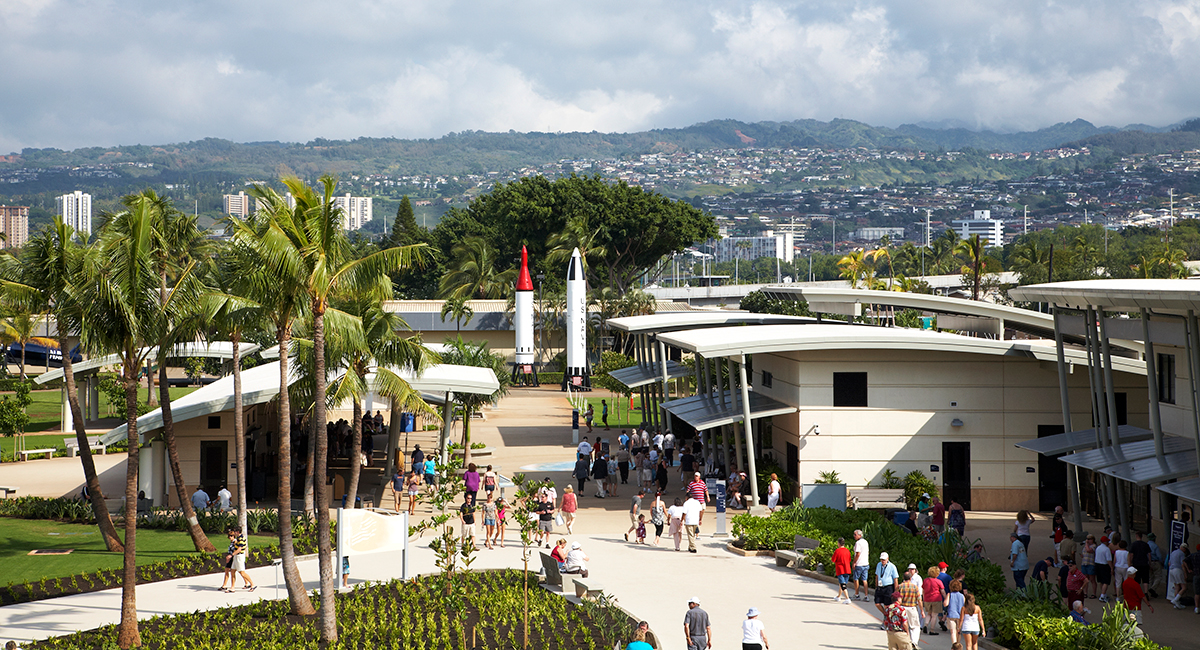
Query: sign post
x=575 y=426
x=719 y=496
x=1178 y=528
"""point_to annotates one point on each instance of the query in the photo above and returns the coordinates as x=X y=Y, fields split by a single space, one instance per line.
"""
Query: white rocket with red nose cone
x=523 y=319
x=577 y=374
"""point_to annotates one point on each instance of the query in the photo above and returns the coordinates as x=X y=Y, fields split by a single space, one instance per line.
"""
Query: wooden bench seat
x=28 y=452
x=875 y=498
x=72 y=445
x=786 y=558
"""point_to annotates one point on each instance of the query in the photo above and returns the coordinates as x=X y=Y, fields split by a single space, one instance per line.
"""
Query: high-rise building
x=770 y=244
x=237 y=205
x=356 y=210
x=982 y=224
x=76 y=211
x=14 y=223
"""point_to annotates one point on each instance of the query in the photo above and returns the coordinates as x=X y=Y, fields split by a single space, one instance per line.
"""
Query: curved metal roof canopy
x=212 y=350
x=1169 y=296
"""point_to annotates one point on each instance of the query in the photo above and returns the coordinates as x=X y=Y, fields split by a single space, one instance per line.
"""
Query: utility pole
x=1026 y=220
x=1171 y=214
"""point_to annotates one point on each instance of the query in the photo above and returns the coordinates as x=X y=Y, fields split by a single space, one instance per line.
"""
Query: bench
x=785 y=558
x=28 y=452
x=875 y=498
x=72 y=445
x=550 y=568
x=7 y=489
x=585 y=587
x=800 y=546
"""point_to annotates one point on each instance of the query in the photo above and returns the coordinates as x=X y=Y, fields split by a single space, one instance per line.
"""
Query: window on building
x=767 y=378
x=214 y=422
x=849 y=389
x=1166 y=378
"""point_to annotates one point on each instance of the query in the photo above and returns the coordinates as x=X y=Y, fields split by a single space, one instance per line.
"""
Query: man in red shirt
x=841 y=569
x=939 y=515
x=1134 y=597
x=698 y=489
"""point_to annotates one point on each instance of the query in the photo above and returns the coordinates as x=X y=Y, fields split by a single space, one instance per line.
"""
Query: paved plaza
x=531 y=429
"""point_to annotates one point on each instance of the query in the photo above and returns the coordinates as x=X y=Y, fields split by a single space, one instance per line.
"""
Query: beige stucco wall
x=190 y=433
x=1000 y=400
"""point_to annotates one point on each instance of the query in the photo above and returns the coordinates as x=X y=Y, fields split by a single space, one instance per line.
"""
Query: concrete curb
x=744 y=553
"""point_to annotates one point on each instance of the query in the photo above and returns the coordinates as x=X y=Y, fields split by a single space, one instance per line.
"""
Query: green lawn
x=619 y=413
x=44 y=412
x=19 y=536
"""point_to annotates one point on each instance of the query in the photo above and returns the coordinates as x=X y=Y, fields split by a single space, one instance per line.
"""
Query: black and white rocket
x=577 y=370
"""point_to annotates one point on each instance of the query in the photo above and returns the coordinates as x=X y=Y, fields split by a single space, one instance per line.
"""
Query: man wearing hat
x=945 y=578
x=886 y=577
x=576 y=560
x=1134 y=597
x=696 y=627
x=910 y=599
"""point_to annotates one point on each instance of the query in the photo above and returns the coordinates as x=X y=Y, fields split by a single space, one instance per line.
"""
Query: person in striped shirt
x=235 y=562
x=698 y=489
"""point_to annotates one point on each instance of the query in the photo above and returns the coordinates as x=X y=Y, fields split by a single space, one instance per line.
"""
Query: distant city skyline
x=422 y=69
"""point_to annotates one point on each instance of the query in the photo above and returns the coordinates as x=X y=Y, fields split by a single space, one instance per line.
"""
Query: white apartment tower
x=982 y=224
x=237 y=205
x=356 y=210
x=76 y=211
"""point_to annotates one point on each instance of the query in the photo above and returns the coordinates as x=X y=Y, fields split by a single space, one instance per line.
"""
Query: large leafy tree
x=632 y=227
x=49 y=276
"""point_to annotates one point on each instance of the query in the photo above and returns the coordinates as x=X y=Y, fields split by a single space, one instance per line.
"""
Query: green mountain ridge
x=479 y=151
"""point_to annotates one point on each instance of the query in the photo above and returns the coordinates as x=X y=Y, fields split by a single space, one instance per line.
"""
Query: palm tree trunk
x=107 y=530
x=199 y=539
x=239 y=435
x=297 y=596
x=466 y=435
x=309 y=458
x=355 y=465
x=149 y=384
x=328 y=624
x=128 y=635
x=23 y=346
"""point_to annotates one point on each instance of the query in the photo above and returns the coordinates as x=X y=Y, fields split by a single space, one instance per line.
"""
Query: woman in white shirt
x=1120 y=566
x=773 y=493
x=753 y=636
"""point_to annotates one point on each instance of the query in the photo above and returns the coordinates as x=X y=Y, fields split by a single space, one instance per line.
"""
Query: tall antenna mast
x=1026 y=220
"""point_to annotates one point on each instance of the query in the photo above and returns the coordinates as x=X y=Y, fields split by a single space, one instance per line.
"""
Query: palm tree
x=884 y=252
x=974 y=250
x=230 y=314
x=313 y=245
x=177 y=243
x=854 y=267
x=459 y=309
x=19 y=328
x=941 y=252
x=49 y=277
x=125 y=314
x=578 y=233
x=381 y=352
x=271 y=269
x=464 y=353
x=474 y=273
x=1031 y=261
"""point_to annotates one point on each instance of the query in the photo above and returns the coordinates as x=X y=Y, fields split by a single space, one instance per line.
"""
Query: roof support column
x=1114 y=434
x=705 y=385
x=447 y=417
x=1194 y=364
x=666 y=385
x=394 y=416
x=1065 y=399
x=726 y=382
x=1152 y=386
x=1099 y=414
x=748 y=428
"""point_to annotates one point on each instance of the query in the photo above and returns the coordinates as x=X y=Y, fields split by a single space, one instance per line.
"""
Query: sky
x=116 y=72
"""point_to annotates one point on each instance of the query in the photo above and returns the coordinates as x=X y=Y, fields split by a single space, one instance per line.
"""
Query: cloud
x=143 y=71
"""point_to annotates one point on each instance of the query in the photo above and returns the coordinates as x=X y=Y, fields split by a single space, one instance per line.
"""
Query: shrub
x=829 y=478
x=916 y=484
x=550 y=378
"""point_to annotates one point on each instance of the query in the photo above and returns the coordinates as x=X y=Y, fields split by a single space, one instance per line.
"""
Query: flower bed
x=411 y=615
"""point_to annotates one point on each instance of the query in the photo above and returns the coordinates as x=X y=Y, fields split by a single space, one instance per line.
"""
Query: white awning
x=637 y=375
x=1062 y=443
x=261 y=384
x=708 y=411
x=212 y=350
x=669 y=322
x=1162 y=296
x=1189 y=489
x=1145 y=471
x=1098 y=459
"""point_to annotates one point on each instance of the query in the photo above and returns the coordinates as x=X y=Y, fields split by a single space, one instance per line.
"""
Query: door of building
x=1052 y=474
x=956 y=473
x=214 y=464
